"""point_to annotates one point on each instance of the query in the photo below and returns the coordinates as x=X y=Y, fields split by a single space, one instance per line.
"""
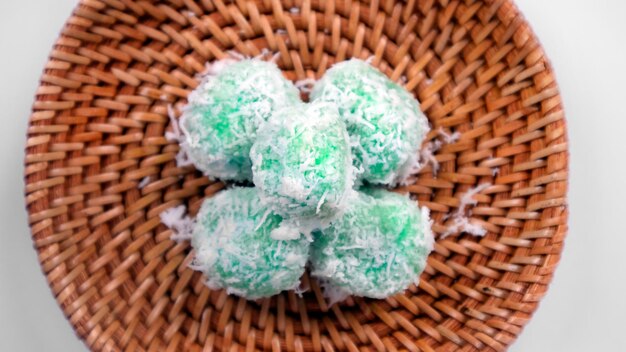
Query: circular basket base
x=99 y=171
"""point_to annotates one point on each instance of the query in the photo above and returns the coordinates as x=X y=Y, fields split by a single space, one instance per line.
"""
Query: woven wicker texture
x=97 y=132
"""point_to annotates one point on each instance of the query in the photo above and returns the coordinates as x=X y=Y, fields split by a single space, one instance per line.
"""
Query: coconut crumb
x=332 y=293
x=300 y=289
x=305 y=85
x=285 y=232
x=293 y=188
x=447 y=137
x=174 y=135
x=177 y=220
x=189 y=13
x=459 y=221
x=236 y=55
x=195 y=266
x=182 y=158
x=212 y=69
x=275 y=57
x=264 y=53
x=427 y=225
x=144 y=182
x=427 y=154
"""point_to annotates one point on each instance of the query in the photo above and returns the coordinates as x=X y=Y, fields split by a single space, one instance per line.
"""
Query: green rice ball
x=376 y=249
x=234 y=245
x=302 y=163
x=224 y=113
x=384 y=120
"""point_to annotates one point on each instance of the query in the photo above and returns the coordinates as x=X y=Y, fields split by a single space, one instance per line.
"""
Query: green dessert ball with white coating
x=384 y=120
x=377 y=248
x=302 y=163
x=236 y=250
x=224 y=112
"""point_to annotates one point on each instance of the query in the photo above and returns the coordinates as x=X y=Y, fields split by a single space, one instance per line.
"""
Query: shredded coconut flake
x=236 y=55
x=177 y=220
x=332 y=293
x=174 y=135
x=217 y=66
x=300 y=289
x=264 y=53
x=459 y=221
x=285 y=232
x=305 y=85
x=177 y=135
x=447 y=137
x=144 y=182
x=427 y=153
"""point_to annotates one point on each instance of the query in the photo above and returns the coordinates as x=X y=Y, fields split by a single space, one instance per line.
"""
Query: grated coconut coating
x=302 y=163
x=235 y=249
x=384 y=121
x=376 y=249
x=224 y=112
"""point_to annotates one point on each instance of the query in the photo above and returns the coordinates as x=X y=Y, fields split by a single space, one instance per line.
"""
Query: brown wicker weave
x=98 y=127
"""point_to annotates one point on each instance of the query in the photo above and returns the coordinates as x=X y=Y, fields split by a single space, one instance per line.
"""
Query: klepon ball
x=376 y=249
x=384 y=120
x=302 y=163
x=236 y=250
x=224 y=112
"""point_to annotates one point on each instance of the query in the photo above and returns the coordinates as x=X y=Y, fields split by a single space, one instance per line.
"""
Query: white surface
x=585 y=306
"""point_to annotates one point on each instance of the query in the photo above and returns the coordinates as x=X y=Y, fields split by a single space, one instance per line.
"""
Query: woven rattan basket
x=97 y=132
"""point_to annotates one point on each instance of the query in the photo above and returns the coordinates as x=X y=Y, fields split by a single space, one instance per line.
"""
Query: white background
x=585 y=307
